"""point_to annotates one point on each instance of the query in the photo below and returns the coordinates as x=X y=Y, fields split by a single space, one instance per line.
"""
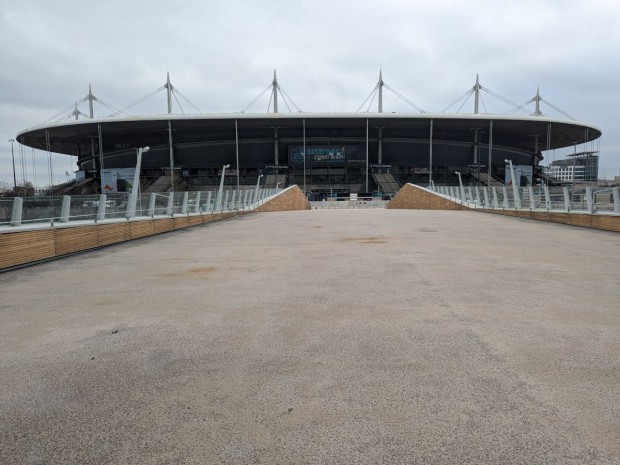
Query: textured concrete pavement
x=319 y=337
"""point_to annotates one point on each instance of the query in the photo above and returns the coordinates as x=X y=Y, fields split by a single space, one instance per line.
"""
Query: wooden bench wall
x=21 y=247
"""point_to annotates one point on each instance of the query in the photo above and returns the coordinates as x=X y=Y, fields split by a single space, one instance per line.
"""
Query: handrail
x=18 y=211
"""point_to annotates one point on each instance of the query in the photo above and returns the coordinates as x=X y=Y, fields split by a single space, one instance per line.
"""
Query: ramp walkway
x=387 y=183
x=319 y=337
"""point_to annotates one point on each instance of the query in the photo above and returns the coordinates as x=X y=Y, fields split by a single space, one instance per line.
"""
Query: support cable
x=521 y=107
x=465 y=101
x=483 y=105
x=403 y=98
x=177 y=91
x=285 y=94
x=140 y=100
x=558 y=109
x=466 y=94
x=57 y=115
x=34 y=170
x=178 y=103
x=372 y=92
x=256 y=99
x=284 y=99
x=372 y=100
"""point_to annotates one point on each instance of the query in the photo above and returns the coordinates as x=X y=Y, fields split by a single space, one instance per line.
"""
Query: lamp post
x=256 y=191
x=14 y=178
x=135 y=189
x=515 y=189
x=218 y=203
x=461 y=184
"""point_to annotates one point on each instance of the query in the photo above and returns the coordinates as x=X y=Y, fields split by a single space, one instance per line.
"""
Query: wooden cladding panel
x=70 y=240
x=29 y=246
x=608 y=223
x=160 y=226
x=112 y=233
x=18 y=248
x=194 y=220
x=181 y=222
x=139 y=229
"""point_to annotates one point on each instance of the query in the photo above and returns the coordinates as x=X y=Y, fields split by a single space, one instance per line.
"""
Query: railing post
x=616 y=193
x=208 y=201
x=184 y=204
x=131 y=205
x=66 y=209
x=530 y=190
x=547 y=198
x=225 y=204
x=245 y=199
x=486 y=198
x=589 y=200
x=101 y=208
x=566 y=199
x=170 y=205
x=518 y=199
x=478 y=201
x=152 y=200
x=197 y=203
x=232 y=200
x=495 y=199
x=505 y=191
x=16 y=213
x=468 y=197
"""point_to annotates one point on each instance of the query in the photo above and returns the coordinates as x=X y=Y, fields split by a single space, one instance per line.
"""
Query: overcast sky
x=221 y=54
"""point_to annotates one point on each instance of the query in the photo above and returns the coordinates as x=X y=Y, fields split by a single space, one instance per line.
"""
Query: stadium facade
x=323 y=152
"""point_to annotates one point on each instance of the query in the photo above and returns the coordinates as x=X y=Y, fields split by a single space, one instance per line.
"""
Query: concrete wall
x=416 y=198
x=290 y=199
x=22 y=247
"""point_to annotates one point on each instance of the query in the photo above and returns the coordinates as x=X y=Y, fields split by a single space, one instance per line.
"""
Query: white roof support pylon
x=380 y=84
x=274 y=89
x=168 y=87
x=377 y=91
x=537 y=112
x=274 y=86
x=90 y=98
x=477 y=95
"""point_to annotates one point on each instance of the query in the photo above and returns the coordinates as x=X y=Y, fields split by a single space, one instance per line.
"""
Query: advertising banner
x=117 y=180
x=524 y=175
x=318 y=154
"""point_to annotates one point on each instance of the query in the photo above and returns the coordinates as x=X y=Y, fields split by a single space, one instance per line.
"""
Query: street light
x=14 y=178
x=218 y=204
x=515 y=189
x=135 y=189
x=461 y=184
x=256 y=191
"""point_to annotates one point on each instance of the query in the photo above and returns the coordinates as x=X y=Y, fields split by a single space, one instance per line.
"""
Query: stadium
x=327 y=154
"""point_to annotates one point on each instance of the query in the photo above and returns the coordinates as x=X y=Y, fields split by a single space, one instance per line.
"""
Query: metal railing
x=590 y=200
x=21 y=211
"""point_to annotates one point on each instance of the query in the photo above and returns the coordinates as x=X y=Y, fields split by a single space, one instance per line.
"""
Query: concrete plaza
x=319 y=337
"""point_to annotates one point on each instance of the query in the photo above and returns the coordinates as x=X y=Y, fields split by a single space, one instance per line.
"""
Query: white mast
x=274 y=84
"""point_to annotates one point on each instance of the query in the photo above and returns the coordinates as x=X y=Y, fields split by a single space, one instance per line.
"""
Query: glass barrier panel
x=6 y=210
x=41 y=209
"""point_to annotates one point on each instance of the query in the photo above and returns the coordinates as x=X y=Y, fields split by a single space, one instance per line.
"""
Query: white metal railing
x=591 y=200
x=348 y=204
x=19 y=211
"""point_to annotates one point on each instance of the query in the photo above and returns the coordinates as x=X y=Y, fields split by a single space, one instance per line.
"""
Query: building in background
x=580 y=167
